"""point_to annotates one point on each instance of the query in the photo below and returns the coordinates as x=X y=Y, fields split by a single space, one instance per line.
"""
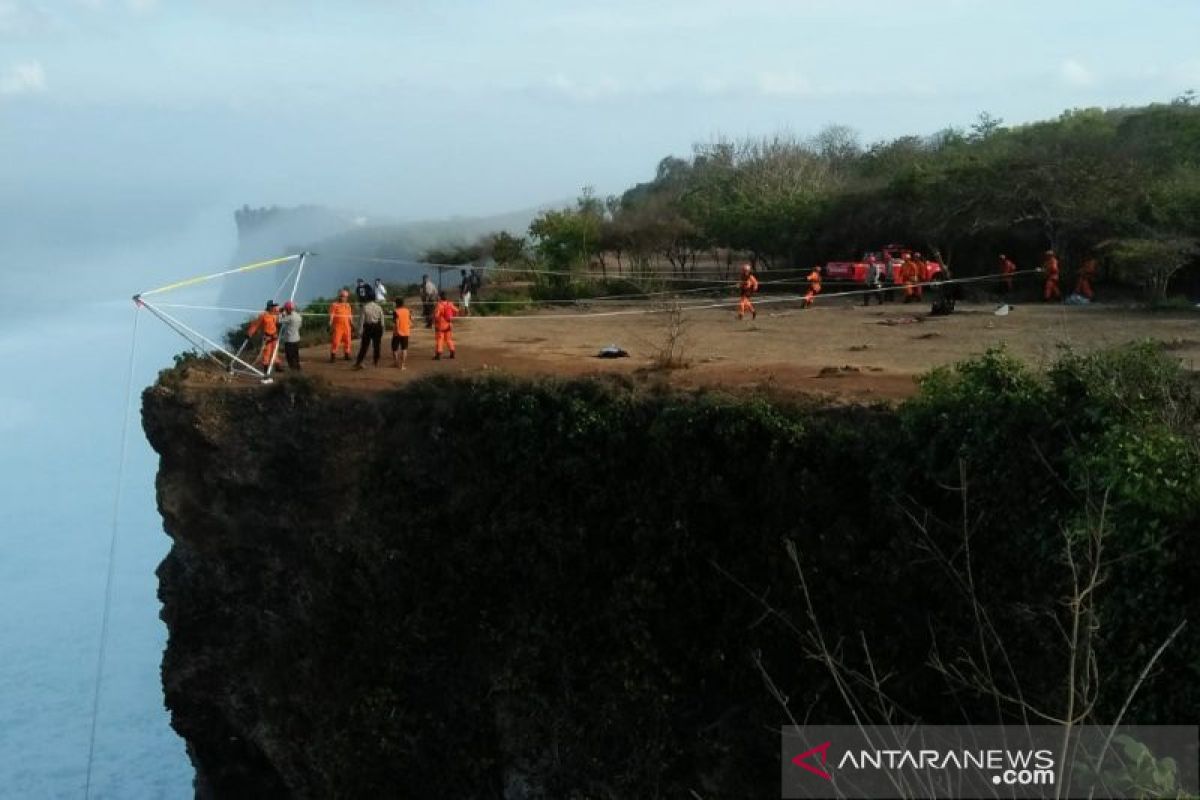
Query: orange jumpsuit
x=341 y=315
x=1007 y=268
x=443 y=327
x=268 y=323
x=814 y=287
x=748 y=286
x=1050 y=267
x=1087 y=273
x=910 y=274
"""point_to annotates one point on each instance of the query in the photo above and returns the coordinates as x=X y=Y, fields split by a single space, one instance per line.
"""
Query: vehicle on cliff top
x=891 y=256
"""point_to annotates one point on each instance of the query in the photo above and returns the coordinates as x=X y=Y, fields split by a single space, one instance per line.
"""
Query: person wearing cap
x=747 y=287
x=1050 y=290
x=341 y=320
x=370 y=333
x=268 y=323
x=290 y=321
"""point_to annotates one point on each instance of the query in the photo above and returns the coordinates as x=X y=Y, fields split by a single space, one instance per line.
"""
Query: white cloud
x=15 y=414
x=136 y=6
x=25 y=78
x=591 y=89
x=20 y=19
x=1072 y=73
x=784 y=84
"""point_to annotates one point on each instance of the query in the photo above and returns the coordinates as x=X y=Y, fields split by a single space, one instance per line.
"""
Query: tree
x=985 y=126
x=454 y=254
x=508 y=249
x=1151 y=262
x=566 y=238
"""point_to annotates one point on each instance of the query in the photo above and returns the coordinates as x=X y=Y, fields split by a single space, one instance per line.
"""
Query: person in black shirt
x=364 y=292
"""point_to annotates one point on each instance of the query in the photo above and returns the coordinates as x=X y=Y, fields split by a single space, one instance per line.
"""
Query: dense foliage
x=1123 y=184
x=573 y=586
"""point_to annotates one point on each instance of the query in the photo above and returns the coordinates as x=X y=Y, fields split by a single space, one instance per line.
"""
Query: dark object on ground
x=612 y=351
x=944 y=296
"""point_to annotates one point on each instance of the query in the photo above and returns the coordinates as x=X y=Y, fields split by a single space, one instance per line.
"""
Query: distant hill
x=342 y=240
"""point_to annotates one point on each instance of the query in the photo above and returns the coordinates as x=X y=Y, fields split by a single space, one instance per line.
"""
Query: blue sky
x=112 y=110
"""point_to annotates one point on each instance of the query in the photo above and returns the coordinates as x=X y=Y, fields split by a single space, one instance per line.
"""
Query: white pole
x=299 y=272
x=165 y=317
x=291 y=298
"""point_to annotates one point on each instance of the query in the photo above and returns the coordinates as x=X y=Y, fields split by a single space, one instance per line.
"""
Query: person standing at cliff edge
x=401 y=330
x=268 y=323
x=443 y=326
x=380 y=291
x=290 y=321
x=341 y=318
x=371 y=333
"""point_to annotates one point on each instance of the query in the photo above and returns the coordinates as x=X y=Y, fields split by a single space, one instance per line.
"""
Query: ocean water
x=65 y=350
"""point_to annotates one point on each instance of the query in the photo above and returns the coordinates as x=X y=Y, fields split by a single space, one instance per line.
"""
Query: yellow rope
x=203 y=278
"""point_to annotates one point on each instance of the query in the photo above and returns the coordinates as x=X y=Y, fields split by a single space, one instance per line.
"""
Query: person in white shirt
x=290 y=322
x=380 y=291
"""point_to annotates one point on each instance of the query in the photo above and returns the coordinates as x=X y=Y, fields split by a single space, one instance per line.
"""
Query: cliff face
x=476 y=589
x=503 y=589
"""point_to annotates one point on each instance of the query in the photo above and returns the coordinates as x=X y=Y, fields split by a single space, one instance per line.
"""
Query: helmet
x=289 y=306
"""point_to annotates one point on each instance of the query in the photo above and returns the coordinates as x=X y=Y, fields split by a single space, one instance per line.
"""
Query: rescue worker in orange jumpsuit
x=748 y=286
x=443 y=326
x=910 y=275
x=1087 y=274
x=341 y=316
x=268 y=323
x=1050 y=268
x=814 y=286
x=1007 y=268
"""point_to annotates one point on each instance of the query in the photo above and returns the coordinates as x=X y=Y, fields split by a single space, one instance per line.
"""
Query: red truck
x=891 y=256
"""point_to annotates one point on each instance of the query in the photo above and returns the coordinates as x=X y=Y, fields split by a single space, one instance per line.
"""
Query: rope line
x=112 y=554
x=527 y=270
x=215 y=275
x=657 y=309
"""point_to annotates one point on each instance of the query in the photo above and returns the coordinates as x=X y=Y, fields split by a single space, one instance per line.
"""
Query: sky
x=124 y=115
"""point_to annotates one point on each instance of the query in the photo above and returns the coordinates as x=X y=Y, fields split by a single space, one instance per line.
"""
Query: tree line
x=1120 y=184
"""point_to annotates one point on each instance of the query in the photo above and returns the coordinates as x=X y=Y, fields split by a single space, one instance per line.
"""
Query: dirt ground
x=839 y=349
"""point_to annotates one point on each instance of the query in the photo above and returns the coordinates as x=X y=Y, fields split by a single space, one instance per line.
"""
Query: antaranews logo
x=1007 y=767
x=968 y=761
x=802 y=761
